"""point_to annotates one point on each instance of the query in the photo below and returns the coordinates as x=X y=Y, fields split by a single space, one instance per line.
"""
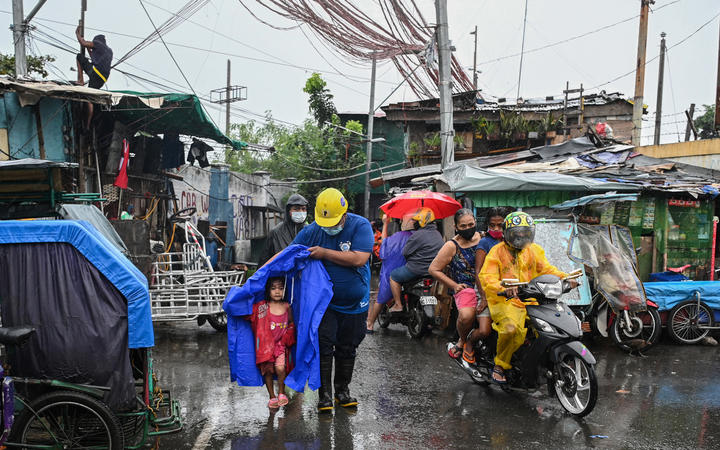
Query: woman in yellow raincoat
x=519 y=258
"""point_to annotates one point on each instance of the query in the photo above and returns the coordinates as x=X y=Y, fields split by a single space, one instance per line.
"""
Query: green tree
x=705 y=124
x=35 y=64
x=310 y=152
x=321 y=104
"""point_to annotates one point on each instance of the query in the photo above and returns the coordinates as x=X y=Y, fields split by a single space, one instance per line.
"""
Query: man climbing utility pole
x=97 y=67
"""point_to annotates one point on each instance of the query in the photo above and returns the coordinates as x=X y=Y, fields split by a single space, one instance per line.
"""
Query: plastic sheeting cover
x=104 y=256
x=609 y=252
x=80 y=317
x=667 y=294
x=463 y=178
x=97 y=219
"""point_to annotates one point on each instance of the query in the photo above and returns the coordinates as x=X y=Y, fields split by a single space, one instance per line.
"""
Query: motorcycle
x=552 y=352
x=9 y=336
x=619 y=307
x=419 y=305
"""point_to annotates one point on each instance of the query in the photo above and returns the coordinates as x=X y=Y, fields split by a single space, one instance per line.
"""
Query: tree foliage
x=321 y=100
x=705 y=124
x=35 y=64
x=310 y=152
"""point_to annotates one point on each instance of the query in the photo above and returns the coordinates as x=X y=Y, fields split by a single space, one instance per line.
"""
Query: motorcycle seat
x=415 y=280
x=15 y=335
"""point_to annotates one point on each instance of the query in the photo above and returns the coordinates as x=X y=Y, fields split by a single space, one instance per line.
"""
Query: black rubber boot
x=343 y=376
x=325 y=402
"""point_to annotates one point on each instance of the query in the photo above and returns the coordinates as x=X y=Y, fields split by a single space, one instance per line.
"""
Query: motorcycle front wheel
x=575 y=385
x=646 y=327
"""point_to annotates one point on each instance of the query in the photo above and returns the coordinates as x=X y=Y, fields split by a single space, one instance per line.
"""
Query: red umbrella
x=441 y=204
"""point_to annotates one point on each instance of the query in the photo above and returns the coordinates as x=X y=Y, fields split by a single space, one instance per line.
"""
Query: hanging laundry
x=198 y=151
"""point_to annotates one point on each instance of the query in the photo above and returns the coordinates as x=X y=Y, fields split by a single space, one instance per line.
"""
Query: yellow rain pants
x=509 y=315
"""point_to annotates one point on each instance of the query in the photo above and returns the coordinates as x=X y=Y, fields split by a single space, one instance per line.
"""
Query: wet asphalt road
x=413 y=396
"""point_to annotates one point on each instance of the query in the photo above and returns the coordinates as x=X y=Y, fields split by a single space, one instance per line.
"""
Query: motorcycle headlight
x=551 y=290
x=544 y=326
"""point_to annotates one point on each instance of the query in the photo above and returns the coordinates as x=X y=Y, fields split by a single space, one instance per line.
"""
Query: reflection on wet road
x=413 y=396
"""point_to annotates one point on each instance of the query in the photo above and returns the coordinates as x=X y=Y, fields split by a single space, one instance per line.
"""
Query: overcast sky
x=275 y=64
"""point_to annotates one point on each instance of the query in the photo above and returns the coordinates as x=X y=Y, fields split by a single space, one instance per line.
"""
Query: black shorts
x=95 y=81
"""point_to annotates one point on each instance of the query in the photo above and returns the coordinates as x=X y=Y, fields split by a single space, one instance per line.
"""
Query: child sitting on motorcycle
x=274 y=332
x=517 y=257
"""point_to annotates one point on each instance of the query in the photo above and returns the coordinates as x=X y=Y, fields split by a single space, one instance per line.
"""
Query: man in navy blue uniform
x=343 y=242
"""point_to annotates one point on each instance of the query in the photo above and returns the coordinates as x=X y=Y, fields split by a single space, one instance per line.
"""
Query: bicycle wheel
x=685 y=319
x=646 y=326
x=68 y=419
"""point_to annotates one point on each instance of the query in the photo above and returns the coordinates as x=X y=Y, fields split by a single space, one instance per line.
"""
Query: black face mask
x=466 y=234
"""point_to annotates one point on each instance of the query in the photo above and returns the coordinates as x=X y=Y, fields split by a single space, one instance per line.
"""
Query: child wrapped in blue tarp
x=308 y=289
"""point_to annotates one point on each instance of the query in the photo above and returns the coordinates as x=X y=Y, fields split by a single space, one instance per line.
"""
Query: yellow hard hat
x=330 y=206
x=424 y=216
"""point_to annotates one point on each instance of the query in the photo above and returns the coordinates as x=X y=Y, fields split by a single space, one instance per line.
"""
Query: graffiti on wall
x=193 y=199
x=245 y=222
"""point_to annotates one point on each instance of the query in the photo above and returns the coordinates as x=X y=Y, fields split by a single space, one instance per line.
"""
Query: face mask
x=332 y=231
x=466 y=234
x=496 y=234
x=298 y=216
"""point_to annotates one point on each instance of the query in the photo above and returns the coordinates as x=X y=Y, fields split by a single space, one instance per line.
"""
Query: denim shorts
x=402 y=274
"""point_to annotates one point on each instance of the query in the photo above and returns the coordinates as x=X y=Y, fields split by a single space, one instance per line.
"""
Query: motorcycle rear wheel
x=650 y=333
x=686 y=318
x=417 y=324
x=574 y=376
x=383 y=318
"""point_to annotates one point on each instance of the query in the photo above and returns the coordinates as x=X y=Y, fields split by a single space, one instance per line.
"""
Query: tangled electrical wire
x=173 y=22
x=351 y=32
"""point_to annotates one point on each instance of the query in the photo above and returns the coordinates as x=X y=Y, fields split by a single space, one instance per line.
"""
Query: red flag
x=121 y=180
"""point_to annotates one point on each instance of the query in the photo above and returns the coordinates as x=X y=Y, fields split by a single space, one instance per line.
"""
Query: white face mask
x=298 y=216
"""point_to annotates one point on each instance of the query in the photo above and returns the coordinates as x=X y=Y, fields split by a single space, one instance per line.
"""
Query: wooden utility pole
x=565 y=124
x=447 y=149
x=82 y=142
x=368 y=152
x=717 y=94
x=689 y=126
x=658 y=108
x=475 y=75
x=227 y=106
x=640 y=71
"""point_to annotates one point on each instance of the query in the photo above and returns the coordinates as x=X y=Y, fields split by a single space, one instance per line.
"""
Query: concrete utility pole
x=475 y=77
x=368 y=153
x=658 y=108
x=227 y=106
x=447 y=149
x=19 y=39
x=640 y=72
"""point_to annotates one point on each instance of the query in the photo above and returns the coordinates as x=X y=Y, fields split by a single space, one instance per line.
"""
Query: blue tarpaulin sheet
x=101 y=254
x=667 y=294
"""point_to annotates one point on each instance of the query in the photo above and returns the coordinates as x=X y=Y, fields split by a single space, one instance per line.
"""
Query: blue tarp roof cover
x=103 y=255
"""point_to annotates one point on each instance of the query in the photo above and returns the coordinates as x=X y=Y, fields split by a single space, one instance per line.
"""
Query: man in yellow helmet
x=343 y=242
x=519 y=258
x=419 y=251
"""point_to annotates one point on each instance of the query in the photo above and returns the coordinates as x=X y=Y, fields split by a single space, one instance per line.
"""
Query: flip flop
x=468 y=356
x=283 y=400
x=455 y=351
x=273 y=403
x=498 y=371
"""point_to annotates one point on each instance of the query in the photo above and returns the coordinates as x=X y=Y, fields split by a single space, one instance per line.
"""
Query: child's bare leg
x=269 y=384
x=280 y=372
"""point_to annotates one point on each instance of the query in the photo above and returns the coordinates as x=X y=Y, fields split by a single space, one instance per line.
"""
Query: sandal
x=283 y=400
x=498 y=371
x=468 y=356
x=455 y=351
x=273 y=403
